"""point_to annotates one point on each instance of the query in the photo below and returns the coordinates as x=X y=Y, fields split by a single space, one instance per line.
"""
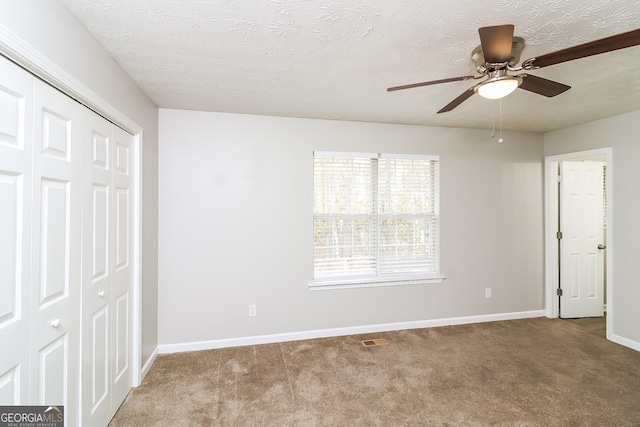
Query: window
x=375 y=218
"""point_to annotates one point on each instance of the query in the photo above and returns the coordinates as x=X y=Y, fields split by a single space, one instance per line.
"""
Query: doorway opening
x=554 y=240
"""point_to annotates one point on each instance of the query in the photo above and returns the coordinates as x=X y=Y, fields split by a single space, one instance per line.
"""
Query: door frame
x=551 y=227
x=15 y=49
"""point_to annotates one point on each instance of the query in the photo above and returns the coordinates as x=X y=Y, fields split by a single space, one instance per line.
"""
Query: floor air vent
x=374 y=342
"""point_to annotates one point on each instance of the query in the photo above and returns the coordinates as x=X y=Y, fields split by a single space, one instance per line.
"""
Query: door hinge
x=559 y=292
x=559 y=178
x=559 y=235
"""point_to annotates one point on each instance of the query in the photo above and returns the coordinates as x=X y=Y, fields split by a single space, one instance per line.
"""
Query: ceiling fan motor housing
x=477 y=56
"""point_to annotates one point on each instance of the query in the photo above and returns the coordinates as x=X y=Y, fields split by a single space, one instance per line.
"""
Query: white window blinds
x=345 y=235
x=375 y=216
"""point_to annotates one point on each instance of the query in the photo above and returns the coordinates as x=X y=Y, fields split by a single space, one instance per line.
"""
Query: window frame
x=386 y=279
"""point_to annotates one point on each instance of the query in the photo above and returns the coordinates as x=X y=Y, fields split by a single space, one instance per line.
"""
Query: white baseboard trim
x=624 y=341
x=147 y=365
x=336 y=332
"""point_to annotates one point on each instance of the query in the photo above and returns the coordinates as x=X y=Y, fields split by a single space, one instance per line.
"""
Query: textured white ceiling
x=334 y=59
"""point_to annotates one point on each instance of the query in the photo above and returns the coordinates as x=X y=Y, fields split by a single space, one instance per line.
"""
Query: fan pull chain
x=493 y=125
x=500 y=140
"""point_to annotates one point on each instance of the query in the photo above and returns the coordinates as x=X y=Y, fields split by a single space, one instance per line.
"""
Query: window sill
x=323 y=285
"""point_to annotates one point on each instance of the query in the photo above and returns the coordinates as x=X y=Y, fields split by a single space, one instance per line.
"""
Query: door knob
x=101 y=294
x=55 y=323
x=601 y=246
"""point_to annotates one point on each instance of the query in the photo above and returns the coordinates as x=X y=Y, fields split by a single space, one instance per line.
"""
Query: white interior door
x=16 y=139
x=55 y=264
x=582 y=226
x=107 y=270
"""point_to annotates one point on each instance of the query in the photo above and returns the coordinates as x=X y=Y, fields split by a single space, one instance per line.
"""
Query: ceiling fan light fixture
x=499 y=88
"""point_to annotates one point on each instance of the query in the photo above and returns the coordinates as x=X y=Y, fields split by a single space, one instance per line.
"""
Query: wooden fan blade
x=432 y=82
x=496 y=43
x=542 y=86
x=459 y=100
x=595 y=47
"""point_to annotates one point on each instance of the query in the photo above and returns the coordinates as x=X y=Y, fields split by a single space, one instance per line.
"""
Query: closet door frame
x=23 y=54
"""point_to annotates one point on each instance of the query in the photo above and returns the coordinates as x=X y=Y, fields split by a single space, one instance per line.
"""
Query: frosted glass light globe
x=498 y=88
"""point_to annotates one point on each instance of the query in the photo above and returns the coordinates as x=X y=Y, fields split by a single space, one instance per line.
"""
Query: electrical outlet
x=252 y=310
x=487 y=292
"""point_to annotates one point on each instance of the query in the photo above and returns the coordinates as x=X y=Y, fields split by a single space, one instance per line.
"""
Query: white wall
x=235 y=225
x=622 y=133
x=49 y=28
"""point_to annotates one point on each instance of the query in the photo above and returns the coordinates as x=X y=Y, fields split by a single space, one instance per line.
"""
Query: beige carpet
x=533 y=372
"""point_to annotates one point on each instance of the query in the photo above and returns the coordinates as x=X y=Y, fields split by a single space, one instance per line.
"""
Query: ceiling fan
x=499 y=52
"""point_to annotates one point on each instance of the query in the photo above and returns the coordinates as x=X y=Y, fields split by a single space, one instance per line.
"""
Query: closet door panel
x=52 y=371
x=122 y=269
x=55 y=262
x=97 y=272
x=11 y=384
x=55 y=224
x=16 y=139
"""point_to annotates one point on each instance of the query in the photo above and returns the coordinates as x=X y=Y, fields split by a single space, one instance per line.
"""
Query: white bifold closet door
x=107 y=270
x=16 y=142
x=66 y=248
x=55 y=242
x=40 y=225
